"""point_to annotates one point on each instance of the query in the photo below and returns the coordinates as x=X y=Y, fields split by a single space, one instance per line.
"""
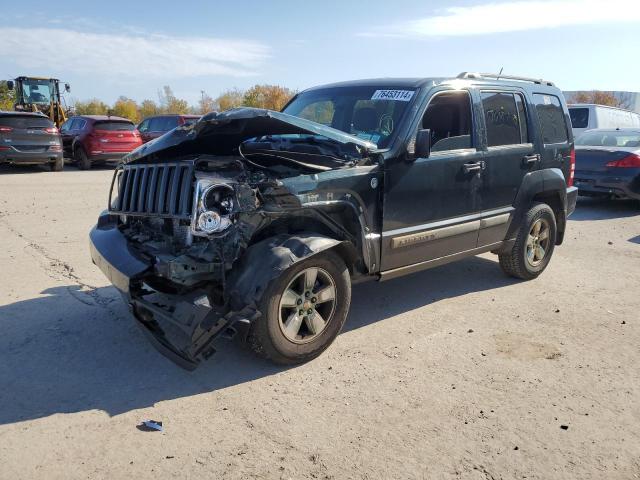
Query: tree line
x=272 y=97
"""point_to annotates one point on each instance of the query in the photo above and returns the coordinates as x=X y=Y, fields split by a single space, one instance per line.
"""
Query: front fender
x=266 y=260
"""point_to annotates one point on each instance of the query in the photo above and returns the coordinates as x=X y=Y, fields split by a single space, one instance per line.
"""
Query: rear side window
x=579 y=117
x=114 y=126
x=26 y=121
x=505 y=119
x=163 y=124
x=551 y=116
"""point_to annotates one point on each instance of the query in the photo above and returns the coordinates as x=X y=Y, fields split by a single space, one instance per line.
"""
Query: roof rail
x=498 y=76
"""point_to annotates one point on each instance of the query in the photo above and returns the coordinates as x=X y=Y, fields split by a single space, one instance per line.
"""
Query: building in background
x=627 y=100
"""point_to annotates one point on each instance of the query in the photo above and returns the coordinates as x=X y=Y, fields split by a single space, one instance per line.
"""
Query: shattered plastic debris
x=150 y=426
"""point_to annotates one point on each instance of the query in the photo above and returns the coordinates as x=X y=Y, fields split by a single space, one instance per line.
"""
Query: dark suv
x=154 y=127
x=256 y=223
x=30 y=139
x=90 y=139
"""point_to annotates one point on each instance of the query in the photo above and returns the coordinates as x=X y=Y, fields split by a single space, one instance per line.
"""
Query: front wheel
x=303 y=310
x=534 y=244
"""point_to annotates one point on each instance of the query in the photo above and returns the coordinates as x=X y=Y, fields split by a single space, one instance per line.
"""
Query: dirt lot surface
x=454 y=373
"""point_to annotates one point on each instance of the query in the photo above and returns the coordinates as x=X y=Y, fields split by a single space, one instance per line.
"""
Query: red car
x=89 y=139
x=154 y=127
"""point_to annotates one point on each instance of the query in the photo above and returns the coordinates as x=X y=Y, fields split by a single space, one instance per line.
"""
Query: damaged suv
x=255 y=223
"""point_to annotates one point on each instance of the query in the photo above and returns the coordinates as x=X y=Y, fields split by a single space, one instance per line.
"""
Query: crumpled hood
x=222 y=133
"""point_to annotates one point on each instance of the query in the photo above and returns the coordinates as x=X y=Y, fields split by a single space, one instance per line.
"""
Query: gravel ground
x=454 y=373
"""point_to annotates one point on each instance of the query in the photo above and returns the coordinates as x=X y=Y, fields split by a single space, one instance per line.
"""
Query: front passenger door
x=431 y=204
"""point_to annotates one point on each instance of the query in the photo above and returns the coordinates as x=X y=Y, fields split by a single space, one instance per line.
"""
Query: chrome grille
x=162 y=190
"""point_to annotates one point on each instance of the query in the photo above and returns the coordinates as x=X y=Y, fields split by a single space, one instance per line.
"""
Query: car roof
x=183 y=115
x=22 y=114
x=588 y=105
x=102 y=117
x=462 y=79
x=614 y=130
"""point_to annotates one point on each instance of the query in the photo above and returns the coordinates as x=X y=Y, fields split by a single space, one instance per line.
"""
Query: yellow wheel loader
x=35 y=94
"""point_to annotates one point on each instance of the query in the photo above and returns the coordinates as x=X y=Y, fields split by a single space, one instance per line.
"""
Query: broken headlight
x=214 y=207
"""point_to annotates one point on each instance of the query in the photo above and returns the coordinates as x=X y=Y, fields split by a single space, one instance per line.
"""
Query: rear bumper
x=572 y=198
x=107 y=156
x=181 y=327
x=28 y=158
x=618 y=186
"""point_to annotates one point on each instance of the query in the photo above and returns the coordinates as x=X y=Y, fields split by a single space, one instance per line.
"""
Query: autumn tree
x=272 y=97
x=127 y=108
x=148 y=108
x=91 y=107
x=206 y=104
x=170 y=103
x=230 y=99
x=599 y=98
x=7 y=97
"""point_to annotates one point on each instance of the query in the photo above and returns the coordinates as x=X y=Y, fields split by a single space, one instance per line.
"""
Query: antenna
x=500 y=73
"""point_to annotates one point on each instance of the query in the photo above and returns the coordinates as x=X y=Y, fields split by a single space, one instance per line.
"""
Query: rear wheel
x=303 y=310
x=534 y=244
x=57 y=165
x=81 y=158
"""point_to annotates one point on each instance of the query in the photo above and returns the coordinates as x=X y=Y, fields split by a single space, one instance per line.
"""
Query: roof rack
x=498 y=76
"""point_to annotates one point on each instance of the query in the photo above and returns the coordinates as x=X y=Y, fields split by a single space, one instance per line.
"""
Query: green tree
x=272 y=97
x=148 y=108
x=170 y=103
x=7 y=97
x=230 y=99
x=91 y=107
x=598 y=97
x=127 y=108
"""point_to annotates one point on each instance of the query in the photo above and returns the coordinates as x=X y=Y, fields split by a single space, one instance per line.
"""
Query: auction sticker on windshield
x=397 y=95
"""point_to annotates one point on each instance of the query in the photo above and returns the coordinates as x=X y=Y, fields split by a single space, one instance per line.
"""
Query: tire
x=81 y=158
x=57 y=165
x=271 y=335
x=525 y=261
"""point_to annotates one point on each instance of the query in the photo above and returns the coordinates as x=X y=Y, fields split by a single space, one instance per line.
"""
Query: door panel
x=428 y=208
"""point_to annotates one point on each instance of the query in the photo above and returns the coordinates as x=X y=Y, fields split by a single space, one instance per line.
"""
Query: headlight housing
x=214 y=208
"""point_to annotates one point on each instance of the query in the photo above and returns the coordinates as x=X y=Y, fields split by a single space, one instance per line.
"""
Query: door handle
x=473 y=167
x=530 y=159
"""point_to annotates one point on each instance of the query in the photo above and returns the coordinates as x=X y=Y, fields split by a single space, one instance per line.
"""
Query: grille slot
x=162 y=190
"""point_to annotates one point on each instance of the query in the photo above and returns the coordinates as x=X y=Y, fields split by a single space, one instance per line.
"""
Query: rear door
x=510 y=155
x=116 y=136
x=29 y=134
x=557 y=139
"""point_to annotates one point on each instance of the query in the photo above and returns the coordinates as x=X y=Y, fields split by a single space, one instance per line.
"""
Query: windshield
x=369 y=113
x=25 y=121
x=36 y=91
x=609 y=138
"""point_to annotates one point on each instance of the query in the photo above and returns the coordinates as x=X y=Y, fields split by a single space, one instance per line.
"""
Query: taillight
x=51 y=130
x=5 y=129
x=630 y=161
x=572 y=167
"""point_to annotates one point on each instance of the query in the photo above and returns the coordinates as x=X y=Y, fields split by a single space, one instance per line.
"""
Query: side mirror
x=423 y=143
x=10 y=84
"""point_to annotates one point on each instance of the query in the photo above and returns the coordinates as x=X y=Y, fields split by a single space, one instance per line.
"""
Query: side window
x=502 y=118
x=552 y=119
x=522 y=117
x=144 y=126
x=80 y=125
x=66 y=126
x=448 y=116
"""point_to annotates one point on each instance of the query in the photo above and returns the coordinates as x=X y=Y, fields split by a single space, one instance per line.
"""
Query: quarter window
x=505 y=119
x=552 y=118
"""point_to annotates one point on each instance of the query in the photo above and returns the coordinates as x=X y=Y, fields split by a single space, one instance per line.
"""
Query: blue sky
x=133 y=48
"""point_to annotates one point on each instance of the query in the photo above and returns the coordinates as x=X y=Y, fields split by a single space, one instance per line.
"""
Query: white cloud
x=129 y=55
x=514 y=16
